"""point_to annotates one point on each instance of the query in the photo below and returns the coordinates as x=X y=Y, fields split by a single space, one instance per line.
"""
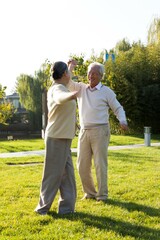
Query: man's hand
x=124 y=126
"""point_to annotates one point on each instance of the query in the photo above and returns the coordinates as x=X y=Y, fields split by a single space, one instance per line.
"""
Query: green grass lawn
x=38 y=144
x=132 y=210
x=21 y=145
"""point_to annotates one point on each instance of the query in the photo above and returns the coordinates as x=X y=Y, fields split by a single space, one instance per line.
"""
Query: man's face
x=94 y=76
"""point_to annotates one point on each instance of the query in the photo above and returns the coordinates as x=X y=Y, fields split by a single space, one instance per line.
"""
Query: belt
x=95 y=126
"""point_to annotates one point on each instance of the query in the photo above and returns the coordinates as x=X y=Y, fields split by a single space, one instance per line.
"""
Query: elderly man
x=94 y=102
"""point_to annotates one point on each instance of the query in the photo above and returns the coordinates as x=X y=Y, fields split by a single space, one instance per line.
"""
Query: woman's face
x=67 y=76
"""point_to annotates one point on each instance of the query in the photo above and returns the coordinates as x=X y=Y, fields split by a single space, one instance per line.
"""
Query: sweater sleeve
x=73 y=86
x=61 y=95
x=116 y=107
x=57 y=95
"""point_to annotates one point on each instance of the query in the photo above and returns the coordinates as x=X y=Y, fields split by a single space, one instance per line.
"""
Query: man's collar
x=97 y=87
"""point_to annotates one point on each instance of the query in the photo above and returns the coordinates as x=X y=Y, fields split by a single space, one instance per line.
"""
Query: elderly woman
x=58 y=172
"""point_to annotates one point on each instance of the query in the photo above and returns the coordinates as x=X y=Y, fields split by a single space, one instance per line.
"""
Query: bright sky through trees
x=34 y=30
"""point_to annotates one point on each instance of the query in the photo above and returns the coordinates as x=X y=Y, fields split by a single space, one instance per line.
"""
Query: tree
x=154 y=31
x=122 y=45
x=6 y=109
x=134 y=76
x=30 y=89
x=30 y=92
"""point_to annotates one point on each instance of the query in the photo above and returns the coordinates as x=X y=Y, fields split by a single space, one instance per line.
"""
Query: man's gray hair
x=101 y=67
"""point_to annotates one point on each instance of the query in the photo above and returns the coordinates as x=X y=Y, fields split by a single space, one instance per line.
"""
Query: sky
x=32 y=31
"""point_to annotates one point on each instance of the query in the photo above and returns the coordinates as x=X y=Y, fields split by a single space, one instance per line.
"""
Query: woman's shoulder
x=59 y=86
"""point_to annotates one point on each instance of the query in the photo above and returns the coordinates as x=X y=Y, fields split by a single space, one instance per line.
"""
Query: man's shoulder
x=106 y=88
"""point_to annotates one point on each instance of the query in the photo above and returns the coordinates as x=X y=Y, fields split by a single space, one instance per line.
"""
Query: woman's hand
x=72 y=63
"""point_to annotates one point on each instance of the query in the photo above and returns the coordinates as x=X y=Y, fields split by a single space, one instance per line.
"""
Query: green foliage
x=122 y=45
x=80 y=71
x=30 y=89
x=43 y=75
x=134 y=76
x=6 y=109
x=154 y=31
x=2 y=91
x=6 y=112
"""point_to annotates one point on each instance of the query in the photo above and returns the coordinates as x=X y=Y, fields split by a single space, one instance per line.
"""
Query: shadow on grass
x=130 y=206
x=23 y=163
x=130 y=157
x=74 y=154
x=109 y=224
x=7 y=149
x=120 y=227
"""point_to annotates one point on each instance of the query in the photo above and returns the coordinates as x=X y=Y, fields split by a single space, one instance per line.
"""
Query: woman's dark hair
x=58 y=69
